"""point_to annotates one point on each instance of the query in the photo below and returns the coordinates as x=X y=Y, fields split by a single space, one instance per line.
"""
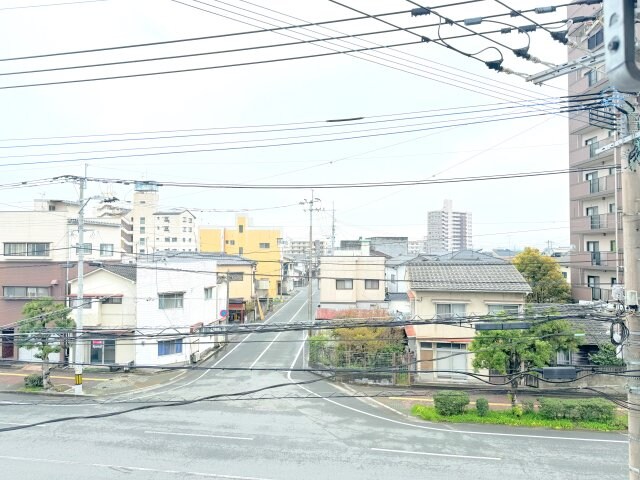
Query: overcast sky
x=514 y=212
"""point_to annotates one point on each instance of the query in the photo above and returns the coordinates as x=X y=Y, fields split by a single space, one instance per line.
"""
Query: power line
x=51 y=4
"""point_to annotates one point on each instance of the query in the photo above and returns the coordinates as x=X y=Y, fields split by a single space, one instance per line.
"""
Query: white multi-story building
x=416 y=247
x=300 y=248
x=167 y=299
x=155 y=229
x=447 y=230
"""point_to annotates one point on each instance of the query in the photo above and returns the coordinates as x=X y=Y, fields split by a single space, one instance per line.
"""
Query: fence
x=386 y=366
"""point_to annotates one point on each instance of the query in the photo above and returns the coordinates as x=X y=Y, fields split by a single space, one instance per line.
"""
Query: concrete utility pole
x=631 y=237
x=310 y=204
x=79 y=354
x=333 y=227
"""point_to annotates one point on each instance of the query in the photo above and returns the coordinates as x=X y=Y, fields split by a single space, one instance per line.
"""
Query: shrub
x=450 y=403
x=528 y=406
x=33 y=381
x=586 y=410
x=482 y=406
x=516 y=411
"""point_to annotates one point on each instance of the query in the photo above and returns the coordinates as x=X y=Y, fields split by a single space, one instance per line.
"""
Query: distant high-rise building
x=448 y=231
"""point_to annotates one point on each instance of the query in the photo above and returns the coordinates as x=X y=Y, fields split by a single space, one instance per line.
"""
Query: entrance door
x=103 y=351
x=7 y=343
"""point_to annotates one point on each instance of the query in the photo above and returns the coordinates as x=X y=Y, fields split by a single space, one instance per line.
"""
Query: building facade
x=448 y=230
x=595 y=193
x=154 y=229
x=263 y=246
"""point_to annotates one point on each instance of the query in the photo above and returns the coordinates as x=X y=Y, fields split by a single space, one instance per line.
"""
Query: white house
x=448 y=290
x=148 y=313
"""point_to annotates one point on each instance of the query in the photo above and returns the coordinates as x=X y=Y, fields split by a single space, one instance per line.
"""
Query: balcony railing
x=588 y=152
x=597 y=186
x=605 y=221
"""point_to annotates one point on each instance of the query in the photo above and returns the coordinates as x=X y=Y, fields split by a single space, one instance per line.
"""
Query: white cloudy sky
x=507 y=212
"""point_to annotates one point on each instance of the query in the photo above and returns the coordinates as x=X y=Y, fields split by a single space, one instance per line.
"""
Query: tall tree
x=513 y=352
x=543 y=274
x=44 y=326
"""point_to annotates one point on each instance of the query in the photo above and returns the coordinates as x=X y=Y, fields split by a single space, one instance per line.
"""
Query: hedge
x=586 y=410
x=482 y=406
x=450 y=403
x=33 y=381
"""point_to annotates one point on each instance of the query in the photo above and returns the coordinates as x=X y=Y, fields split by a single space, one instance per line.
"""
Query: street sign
x=223 y=313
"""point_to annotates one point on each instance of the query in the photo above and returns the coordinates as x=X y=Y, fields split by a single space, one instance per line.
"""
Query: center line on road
x=430 y=454
x=276 y=337
x=198 y=435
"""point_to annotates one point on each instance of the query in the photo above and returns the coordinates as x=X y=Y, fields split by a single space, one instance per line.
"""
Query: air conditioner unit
x=195 y=357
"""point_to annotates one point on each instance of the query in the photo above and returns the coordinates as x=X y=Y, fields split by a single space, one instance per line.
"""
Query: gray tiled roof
x=466 y=277
x=124 y=270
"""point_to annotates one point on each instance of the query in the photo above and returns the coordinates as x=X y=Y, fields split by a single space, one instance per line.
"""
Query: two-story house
x=447 y=290
x=148 y=313
x=352 y=279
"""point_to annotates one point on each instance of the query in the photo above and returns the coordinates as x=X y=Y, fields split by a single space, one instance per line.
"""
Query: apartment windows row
x=26 y=249
x=106 y=249
x=25 y=292
x=169 y=347
x=347 y=284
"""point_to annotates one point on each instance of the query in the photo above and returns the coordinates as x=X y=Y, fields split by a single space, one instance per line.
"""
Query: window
x=344 y=284
x=506 y=308
x=190 y=230
x=184 y=219
x=142 y=230
x=191 y=220
x=142 y=220
x=240 y=228
x=103 y=351
x=106 y=249
x=563 y=357
x=189 y=241
x=26 y=249
x=595 y=40
x=240 y=250
x=372 y=284
x=236 y=276
x=174 y=239
x=85 y=247
x=141 y=250
x=612 y=208
x=231 y=242
x=25 y=292
x=593 y=76
x=614 y=280
x=170 y=300
x=165 y=229
x=170 y=347
x=184 y=240
x=85 y=303
x=184 y=229
x=111 y=301
x=166 y=219
x=451 y=360
x=265 y=245
x=167 y=239
x=612 y=246
x=564 y=275
x=141 y=241
x=450 y=310
x=208 y=293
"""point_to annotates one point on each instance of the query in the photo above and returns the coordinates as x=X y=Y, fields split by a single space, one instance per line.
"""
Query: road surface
x=282 y=438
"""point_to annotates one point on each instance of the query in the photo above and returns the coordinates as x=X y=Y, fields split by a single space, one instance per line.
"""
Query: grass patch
x=528 y=419
x=32 y=389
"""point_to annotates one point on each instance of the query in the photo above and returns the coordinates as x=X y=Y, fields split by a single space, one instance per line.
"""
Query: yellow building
x=257 y=244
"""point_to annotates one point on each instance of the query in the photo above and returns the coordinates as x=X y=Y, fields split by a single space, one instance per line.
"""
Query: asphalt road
x=282 y=438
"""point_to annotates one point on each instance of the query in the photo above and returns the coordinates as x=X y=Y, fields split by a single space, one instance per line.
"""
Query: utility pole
x=79 y=354
x=631 y=238
x=310 y=204
x=333 y=227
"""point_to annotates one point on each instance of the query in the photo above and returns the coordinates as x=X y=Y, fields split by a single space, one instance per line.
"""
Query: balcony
x=588 y=153
x=591 y=293
x=596 y=260
x=597 y=187
x=595 y=223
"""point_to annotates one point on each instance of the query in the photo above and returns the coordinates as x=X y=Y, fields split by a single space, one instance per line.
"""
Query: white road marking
x=472 y=457
x=436 y=429
x=197 y=435
x=181 y=473
x=214 y=365
x=276 y=337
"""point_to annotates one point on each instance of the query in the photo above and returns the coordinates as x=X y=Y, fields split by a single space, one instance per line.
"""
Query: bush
x=33 y=381
x=528 y=406
x=482 y=406
x=587 y=410
x=450 y=403
x=516 y=411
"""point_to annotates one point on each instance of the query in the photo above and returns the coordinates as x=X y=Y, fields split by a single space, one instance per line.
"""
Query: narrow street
x=283 y=438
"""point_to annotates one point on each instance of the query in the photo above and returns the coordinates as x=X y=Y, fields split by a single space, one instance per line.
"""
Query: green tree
x=513 y=352
x=543 y=274
x=606 y=355
x=44 y=327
